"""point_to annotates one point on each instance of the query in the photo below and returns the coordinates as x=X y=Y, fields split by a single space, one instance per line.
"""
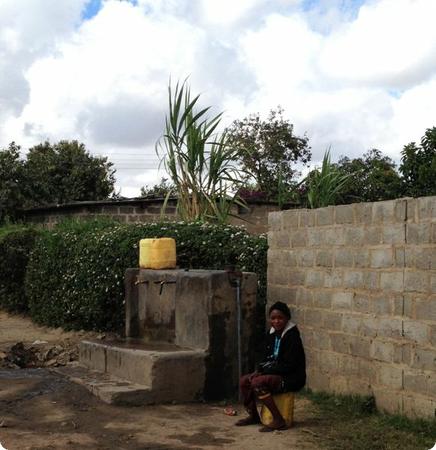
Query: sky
x=350 y=74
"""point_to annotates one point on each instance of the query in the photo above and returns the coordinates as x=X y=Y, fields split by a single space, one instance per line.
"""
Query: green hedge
x=75 y=275
x=16 y=243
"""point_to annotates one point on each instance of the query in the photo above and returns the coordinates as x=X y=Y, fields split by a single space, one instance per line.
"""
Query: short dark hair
x=282 y=307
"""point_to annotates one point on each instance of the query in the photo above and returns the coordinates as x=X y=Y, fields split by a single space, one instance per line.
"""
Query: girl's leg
x=249 y=399
x=264 y=386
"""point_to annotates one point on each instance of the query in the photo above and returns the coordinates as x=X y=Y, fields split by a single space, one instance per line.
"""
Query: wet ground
x=41 y=410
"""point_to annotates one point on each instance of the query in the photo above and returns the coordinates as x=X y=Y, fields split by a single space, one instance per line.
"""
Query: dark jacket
x=291 y=360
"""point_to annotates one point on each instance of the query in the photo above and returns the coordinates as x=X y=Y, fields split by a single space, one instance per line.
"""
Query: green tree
x=65 y=172
x=158 y=190
x=269 y=151
x=418 y=166
x=374 y=178
x=11 y=181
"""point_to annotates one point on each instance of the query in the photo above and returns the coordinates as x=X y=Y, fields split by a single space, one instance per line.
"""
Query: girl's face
x=278 y=320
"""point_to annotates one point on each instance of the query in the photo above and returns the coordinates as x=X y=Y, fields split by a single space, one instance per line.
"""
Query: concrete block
x=304 y=297
x=334 y=236
x=332 y=321
x=306 y=258
x=353 y=279
x=426 y=207
x=307 y=218
x=382 y=305
x=298 y=238
x=315 y=237
x=328 y=362
x=369 y=326
x=373 y=235
x=281 y=239
x=296 y=277
x=339 y=343
x=416 y=281
x=290 y=219
x=403 y=353
x=344 y=214
x=333 y=278
x=418 y=233
x=275 y=221
x=361 y=258
x=324 y=216
x=314 y=278
x=420 y=258
x=382 y=350
x=392 y=281
x=351 y=324
x=425 y=309
x=416 y=405
x=416 y=331
x=287 y=257
x=322 y=299
x=342 y=300
x=371 y=280
x=381 y=258
x=424 y=359
x=384 y=212
x=361 y=303
x=363 y=213
x=321 y=340
x=388 y=400
x=349 y=365
x=390 y=328
x=275 y=256
x=313 y=317
x=324 y=258
x=343 y=257
x=354 y=236
x=390 y=376
x=394 y=234
x=360 y=346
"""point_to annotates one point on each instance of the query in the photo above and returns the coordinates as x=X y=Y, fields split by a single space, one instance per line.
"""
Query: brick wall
x=254 y=219
x=361 y=282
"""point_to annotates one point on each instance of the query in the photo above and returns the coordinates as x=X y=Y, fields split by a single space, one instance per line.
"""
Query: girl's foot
x=274 y=425
x=250 y=420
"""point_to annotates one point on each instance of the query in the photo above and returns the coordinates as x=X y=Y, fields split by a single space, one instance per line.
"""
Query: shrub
x=16 y=243
x=75 y=276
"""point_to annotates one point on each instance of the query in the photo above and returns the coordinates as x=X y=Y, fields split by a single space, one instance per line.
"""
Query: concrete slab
x=171 y=373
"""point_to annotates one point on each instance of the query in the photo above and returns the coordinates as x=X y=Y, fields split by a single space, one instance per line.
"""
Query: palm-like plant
x=325 y=185
x=201 y=163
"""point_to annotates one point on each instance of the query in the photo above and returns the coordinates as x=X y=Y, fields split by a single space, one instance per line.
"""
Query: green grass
x=353 y=423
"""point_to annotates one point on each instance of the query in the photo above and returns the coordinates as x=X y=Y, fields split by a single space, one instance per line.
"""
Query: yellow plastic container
x=157 y=253
x=285 y=404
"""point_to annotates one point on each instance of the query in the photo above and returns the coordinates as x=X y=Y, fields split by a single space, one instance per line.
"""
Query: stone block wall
x=361 y=283
x=254 y=218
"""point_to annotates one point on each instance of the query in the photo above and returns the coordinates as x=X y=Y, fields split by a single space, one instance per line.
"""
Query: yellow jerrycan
x=157 y=253
x=285 y=404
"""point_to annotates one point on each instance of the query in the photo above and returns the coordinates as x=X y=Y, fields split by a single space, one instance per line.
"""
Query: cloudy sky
x=352 y=74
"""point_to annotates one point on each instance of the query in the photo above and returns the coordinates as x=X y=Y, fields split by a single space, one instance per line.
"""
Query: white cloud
x=351 y=78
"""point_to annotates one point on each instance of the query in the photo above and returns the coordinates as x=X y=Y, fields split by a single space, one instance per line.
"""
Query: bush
x=16 y=243
x=75 y=276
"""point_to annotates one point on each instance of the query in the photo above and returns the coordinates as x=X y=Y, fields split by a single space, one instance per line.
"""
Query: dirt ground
x=40 y=410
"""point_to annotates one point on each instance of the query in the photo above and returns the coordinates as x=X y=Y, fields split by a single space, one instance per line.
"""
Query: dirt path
x=40 y=410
